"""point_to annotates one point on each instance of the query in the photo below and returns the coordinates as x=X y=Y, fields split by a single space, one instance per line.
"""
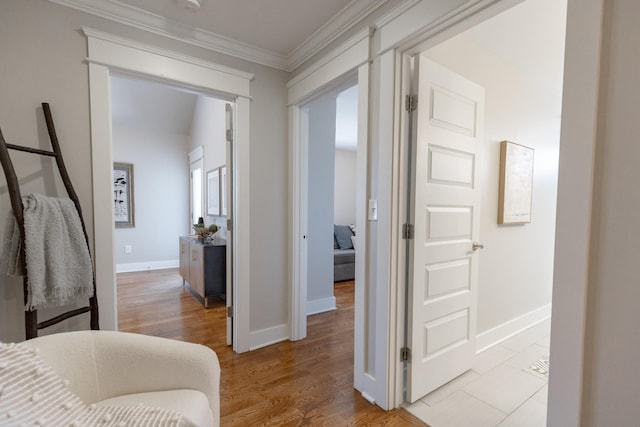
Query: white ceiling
x=529 y=36
x=151 y=106
x=278 y=33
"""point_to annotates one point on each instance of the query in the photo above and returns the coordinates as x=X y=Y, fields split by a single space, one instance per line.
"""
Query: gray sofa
x=344 y=254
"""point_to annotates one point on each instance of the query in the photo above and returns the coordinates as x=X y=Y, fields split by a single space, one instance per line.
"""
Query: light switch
x=128 y=249
x=372 y=211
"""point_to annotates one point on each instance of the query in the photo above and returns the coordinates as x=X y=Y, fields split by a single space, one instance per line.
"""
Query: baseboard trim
x=495 y=336
x=265 y=337
x=147 y=266
x=321 y=305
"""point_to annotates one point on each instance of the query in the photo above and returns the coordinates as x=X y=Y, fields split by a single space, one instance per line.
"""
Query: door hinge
x=230 y=224
x=407 y=231
x=230 y=311
x=229 y=135
x=405 y=354
x=410 y=103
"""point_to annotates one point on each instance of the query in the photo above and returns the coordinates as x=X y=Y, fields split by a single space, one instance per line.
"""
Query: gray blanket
x=57 y=257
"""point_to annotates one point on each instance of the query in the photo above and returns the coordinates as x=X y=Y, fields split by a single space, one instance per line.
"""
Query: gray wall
x=44 y=60
x=161 y=197
x=322 y=125
x=344 y=209
x=208 y=130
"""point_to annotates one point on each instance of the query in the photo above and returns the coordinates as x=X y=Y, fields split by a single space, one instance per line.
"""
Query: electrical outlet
x=128 y=249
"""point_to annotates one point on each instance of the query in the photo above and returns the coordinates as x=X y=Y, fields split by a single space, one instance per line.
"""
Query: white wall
x=516 y=264
x=208 y=130
x=44 y=56
x=161 y=196
x=322 y=131
x=344 y=208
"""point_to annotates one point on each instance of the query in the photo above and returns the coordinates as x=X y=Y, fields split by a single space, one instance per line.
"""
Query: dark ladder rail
x=31 y=316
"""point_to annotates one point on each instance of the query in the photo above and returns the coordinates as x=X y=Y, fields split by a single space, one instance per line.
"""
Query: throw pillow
x=343 y=236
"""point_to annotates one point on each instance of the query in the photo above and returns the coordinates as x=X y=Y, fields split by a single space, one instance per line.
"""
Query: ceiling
x=278 y=33
x=150 y=106
x=529 y=36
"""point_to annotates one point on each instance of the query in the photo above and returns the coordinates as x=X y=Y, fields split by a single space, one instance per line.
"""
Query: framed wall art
x=516 y=183
x=123 y=206
x=213 y=192
x=223 y=190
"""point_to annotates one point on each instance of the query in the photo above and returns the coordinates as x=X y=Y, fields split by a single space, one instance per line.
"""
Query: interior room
x=573 y=265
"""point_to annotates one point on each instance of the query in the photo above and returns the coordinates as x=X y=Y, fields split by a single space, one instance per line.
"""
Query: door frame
x=349 y=60
x=109 y=53
x=413 y=28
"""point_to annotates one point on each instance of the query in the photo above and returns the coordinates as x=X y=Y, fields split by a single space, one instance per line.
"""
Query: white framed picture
x=516 y=183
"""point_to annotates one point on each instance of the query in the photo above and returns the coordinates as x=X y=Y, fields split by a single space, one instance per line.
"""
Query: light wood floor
x=303 y=383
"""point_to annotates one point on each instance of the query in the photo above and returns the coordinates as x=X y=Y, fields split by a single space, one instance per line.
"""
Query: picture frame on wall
x=223 y=190
x=213 y=192
x=516 y=183
x=123 y=203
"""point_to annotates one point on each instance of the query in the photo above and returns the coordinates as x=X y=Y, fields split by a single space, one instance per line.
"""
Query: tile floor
x=497 y=391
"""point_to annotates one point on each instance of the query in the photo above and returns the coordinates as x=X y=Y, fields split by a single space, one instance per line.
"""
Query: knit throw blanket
x=32 y=394
x=57 y=257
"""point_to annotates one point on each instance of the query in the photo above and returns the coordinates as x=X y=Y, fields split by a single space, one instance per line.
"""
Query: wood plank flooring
x=303 y=383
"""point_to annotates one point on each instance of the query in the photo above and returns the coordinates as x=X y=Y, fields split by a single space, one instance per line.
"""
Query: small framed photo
x=223 y=190
x=213 y=192
x=516 y=183
x=123 y=207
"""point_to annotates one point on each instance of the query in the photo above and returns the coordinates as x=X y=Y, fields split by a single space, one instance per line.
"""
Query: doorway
x=163 y=133
x=516 y=270
x=107 y=53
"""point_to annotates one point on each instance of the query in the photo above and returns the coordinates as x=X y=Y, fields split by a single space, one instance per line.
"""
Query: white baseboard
x=268 y=336
x=145 y=266
x=321 y=305
x=496 y=335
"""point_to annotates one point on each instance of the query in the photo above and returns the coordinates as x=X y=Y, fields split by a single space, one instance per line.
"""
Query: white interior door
x=228 y=209
x=446 y=200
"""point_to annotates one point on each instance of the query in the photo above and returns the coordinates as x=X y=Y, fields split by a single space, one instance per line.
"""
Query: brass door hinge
x=405 y=354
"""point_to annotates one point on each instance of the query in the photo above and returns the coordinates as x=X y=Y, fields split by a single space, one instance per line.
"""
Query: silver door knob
x=477 y=246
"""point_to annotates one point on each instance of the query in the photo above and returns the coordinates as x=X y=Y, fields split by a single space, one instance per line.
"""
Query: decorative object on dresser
x=203 y=266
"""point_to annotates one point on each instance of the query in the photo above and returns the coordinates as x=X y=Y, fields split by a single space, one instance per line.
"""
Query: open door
x=228 y=209
x=446 y=200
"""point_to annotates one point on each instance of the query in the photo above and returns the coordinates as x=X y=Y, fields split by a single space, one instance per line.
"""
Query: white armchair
x=121 y=369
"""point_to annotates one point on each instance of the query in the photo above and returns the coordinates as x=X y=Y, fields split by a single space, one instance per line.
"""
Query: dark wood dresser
x=203 y=266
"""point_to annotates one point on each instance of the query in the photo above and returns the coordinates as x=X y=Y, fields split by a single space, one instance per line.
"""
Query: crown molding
x=146 y=21
x=343 y=21
x=101 y=35
x=116 y=11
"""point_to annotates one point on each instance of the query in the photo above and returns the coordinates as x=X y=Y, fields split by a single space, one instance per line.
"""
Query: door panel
x=446 y=203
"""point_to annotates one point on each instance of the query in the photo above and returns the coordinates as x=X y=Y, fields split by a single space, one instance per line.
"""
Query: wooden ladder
x=31 y=316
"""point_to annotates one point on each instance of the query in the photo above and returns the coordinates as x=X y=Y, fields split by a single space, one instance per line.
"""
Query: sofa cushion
x=343 y=235
x=344 y=256
x=192 y=404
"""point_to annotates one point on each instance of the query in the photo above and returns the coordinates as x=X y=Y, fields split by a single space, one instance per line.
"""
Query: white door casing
x=446 y=202
x=228 y=190
x=110 y=52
